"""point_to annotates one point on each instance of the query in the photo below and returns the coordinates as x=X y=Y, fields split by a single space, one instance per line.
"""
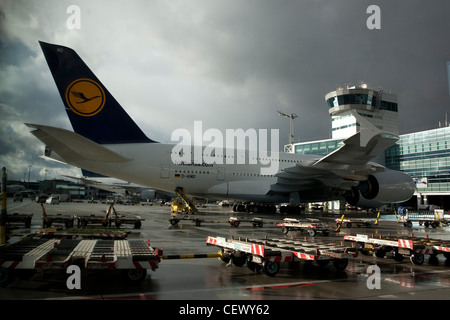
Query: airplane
x=106 y=140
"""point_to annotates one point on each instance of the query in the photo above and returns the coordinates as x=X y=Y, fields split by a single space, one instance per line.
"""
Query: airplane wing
x=73 y=147
x=362 y=147
x=343 y=168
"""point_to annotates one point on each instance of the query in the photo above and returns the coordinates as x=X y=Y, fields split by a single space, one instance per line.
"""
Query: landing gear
x=254 y=208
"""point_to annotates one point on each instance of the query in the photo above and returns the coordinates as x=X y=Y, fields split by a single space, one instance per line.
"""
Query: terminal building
x=424 y=155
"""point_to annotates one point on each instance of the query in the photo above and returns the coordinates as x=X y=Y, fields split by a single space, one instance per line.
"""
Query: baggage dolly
x=256 y=222
x=20 y=218
x=175 y=219
x=108 y=219
x=233 y=221
x=400 y=247
x=312 y=226
x=47 y=221
x=34 y=253
x=359 y=222
x=267 y=254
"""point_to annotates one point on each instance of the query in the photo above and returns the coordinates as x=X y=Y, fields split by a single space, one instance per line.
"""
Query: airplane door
x=165 y=171
x=220 y=174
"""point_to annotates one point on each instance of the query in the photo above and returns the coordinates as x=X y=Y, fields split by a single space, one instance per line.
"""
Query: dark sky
x=231 y=64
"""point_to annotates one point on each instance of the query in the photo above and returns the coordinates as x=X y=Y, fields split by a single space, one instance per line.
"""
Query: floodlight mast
x=289 y=147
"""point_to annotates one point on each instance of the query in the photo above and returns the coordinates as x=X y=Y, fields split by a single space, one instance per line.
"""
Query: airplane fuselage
x=151 y=165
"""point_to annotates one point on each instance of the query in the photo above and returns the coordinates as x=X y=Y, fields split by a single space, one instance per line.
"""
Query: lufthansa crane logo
x=85 y=97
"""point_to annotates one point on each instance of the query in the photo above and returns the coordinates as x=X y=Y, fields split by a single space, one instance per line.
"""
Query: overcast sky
x=231 y=64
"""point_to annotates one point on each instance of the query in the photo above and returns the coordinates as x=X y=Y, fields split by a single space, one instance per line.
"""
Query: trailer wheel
x=285 y=230
x=173 y=221
x=136 y=275
x=28 y=222
x=271 y=268
x=408 y=224
x=312 y=233
x=340 y=264
x=417 y=258
x=47 y=223
x=25 y=273
x=137 y=224
x=69 y=223
x=238 y=259
x=397 y=256
x=380 y=253
x=322 y=263
x=224 y=256
x=253 y=266
x=6 y=276
x=235 y=223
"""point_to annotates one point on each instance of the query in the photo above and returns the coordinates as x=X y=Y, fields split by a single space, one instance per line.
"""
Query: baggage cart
x=34 y=253
x=311 y=226
x=400 y=247
x=267 y=254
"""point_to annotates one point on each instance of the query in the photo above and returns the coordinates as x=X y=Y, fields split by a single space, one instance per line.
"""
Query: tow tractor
x=35 y=252
x=267 y=254
x=312 y=226
x=412 y=247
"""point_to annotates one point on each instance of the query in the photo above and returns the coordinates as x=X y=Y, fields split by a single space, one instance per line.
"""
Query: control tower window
x=361 y=99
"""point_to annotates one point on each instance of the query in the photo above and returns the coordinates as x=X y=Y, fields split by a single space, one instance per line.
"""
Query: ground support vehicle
x=415 y=248
x=312 y=226
x=85 y=233
x=358 y=222
x=47 y=221
x=426 y=218
x=267 y=254
x=196 y=220
x=256 y=222
x=109 y=219
x=34 y=253
x=24 y=218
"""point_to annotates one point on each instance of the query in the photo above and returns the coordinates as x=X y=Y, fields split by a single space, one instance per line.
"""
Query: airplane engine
x=381 y=188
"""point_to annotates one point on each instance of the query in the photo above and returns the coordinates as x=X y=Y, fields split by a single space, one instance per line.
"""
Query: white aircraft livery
x=107 y=141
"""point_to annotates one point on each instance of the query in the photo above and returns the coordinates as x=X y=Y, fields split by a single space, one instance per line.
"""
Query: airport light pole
x=289 y=148
x=3 y=209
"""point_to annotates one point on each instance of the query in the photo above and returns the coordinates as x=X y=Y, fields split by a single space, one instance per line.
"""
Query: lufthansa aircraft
x=107 y=141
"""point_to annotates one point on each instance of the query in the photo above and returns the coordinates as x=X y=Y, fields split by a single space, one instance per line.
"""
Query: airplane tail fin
x=92 y=110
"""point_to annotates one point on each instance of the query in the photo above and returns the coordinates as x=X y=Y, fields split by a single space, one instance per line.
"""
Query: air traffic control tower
x=378 y=107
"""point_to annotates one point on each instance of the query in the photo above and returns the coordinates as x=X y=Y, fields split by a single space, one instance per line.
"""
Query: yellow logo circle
x=85 y=97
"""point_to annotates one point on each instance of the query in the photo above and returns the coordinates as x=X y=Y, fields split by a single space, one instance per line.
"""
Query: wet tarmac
x=211 y=279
